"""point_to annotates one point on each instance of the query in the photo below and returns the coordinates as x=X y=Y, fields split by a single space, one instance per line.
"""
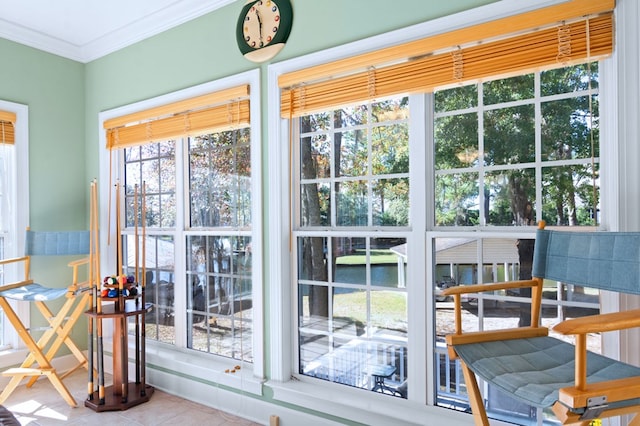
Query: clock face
x=263 y=28
x=261 y=24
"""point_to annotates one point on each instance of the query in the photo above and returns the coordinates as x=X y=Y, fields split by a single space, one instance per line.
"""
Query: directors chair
x=543 y=371
x=77 y=294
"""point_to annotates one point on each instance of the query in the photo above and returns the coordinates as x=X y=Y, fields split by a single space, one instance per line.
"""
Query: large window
x=352 y=207
x=14 y=206
x=196 y=193
x=508 y=153
x=215 y=233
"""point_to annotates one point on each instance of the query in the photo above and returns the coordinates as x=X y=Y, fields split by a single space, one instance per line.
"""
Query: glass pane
x=351 y=116
x=569 y=79
x=456 y=199
x=390 y=149
x=220 y=181
x=390 y=110
x=315 y=199
x=349 y=311
x=315 y=122
x=456 y=141
x=313 y=308
x=511 y=197
x=352 y=147
x=569 y=196
x=389 y=313
x=508 y=89
x=219 y=302
x=509 y=135
x=456 y=98
x=352 y=203
x=312 y=252
x=158 y=270
x=566 y=129
x=349 y=260
x=390 y=202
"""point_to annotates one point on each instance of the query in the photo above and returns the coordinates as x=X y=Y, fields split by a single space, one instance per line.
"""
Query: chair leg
x=64 y=331
x=44 y=366
x=475 y=398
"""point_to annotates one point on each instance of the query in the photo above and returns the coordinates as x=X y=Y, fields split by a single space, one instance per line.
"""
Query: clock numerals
x=260 y=16
x=263 y=28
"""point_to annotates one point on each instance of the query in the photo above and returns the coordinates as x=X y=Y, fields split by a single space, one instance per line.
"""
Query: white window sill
x=362 y=406
x=192 y=365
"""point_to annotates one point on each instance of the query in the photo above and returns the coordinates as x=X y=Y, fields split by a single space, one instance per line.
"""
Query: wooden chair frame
x=41 y=352
x=570 y=398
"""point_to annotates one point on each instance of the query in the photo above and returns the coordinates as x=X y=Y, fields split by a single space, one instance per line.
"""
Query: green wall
x=65 y=97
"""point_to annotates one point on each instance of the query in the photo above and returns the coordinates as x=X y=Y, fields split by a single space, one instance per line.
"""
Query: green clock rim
x=286 y=20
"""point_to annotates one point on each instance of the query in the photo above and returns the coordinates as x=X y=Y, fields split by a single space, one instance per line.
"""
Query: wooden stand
x=122 y=394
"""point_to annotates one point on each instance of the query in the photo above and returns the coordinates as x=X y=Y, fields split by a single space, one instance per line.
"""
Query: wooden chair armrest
x=16 y=284
x=600 y=323
x=615 y=390
x=493 y=335
x=479 y=288
x=13 y=260
x=79 y=262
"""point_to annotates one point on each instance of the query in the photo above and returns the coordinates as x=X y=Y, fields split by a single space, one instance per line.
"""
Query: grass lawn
x=388 y=308
x=378 y=256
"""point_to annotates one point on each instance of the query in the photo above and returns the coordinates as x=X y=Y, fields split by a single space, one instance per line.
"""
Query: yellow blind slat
x=525 y=52
x=523 y=22
x=222 y=117
x=7 y=127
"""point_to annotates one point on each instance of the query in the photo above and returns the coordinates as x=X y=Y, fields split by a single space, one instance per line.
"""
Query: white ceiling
x=84 y=30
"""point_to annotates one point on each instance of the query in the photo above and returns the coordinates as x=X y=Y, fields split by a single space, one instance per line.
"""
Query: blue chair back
x=603 y=260
x=56 y=243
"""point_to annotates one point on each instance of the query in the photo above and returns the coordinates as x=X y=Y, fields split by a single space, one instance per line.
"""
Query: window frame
x=283 y=309
x=177 y=357
x=20 y=222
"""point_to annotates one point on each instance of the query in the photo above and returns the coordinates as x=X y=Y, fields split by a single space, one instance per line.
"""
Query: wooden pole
x=143 y=334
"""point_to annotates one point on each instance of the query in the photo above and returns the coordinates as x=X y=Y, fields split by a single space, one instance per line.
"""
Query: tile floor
x=42 y=405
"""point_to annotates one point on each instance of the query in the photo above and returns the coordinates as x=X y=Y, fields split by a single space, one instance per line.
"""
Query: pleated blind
x=213 y=112
x=555 y=36
x=7 y=127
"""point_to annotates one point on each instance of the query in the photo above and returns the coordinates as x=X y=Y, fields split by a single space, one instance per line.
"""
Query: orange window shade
x=7 y=127
x=214 y=112
x=546 y=38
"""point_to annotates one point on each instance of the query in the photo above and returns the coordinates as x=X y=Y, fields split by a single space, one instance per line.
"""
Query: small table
x=380 y=372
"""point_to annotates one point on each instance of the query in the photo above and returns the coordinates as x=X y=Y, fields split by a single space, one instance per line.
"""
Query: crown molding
x=141 y=29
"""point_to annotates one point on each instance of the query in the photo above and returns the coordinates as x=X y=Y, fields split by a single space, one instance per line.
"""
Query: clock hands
x=259 y=25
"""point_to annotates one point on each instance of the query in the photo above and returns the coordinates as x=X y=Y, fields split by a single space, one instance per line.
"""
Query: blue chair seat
x=34 y=293
x=534 y=369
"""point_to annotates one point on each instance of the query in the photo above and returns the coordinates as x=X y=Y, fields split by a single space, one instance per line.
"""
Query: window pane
x=456 y=141
x=154 y=166
x=509 y=135
x=508 y=89
x=456 y=199
x=158 y=272
x=457 y=98
x=566 y=129
x=220 y=189
x=353 y=148
x=390 y=202
x=569 y=196
x=511 y=197
x=219 y=302
x=352 y=202
x=569 y=79
x=355 y=326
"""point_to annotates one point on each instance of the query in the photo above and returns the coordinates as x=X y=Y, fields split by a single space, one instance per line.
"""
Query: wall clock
x=263 y=28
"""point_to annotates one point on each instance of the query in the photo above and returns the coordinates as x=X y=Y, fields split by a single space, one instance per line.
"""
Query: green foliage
x=493 y=150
